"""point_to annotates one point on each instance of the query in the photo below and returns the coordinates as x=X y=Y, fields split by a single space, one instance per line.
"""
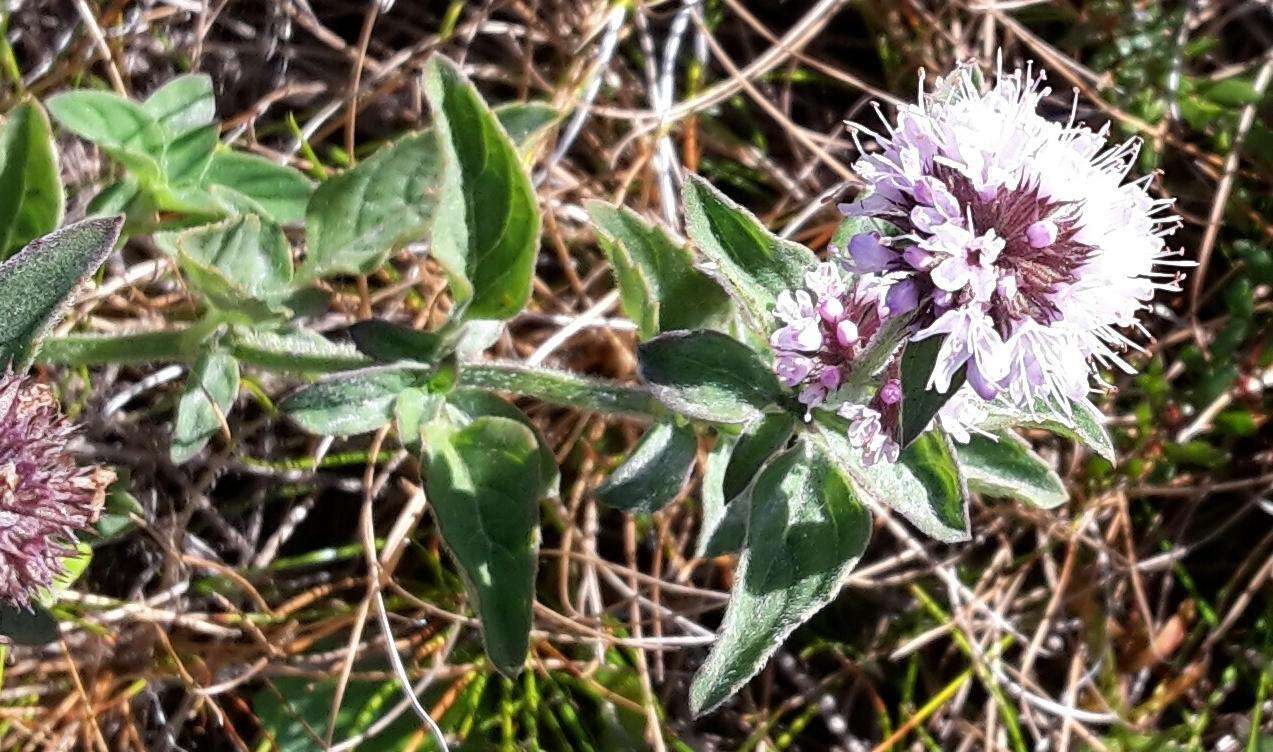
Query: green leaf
x=120 y=127
x=527 y=123
x=919 y=402
x=1006 y=466
x=678 y=295
x=467 y=405
x=757 y=444
x=412 y=409
x=293 y=711
x=656 y=471
x=387 y=342
x=183 y=104
x=190 y=155
x=128 y=348
x=37 y=284
x=1084 y=424
x=724 y=521
x=210 y=392
x=486 y=232
x=1233 y=92
x=351 y=403
x=276 y=191
x=253 y=254
x=708 y=375
x=298 y=351
x=31 y=194
x=27 y=627
x=225 y=295
x=483 y=481
x=561 y=388
x=924 y=486
x=357 y=218
x=753 y=264
x=73 y=567
x=805 y=534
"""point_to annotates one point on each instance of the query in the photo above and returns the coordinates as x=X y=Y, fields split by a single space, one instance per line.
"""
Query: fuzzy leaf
x=275 y=191
x=483 y=481
x=357 y=218
x=183 y=104
x=190 y=154
x=387 y=342
x=527 y=122
x=708 y=375
x=253 y=254
x=724 y=521
x=1006 y=466
x=678 y=295
x=351 y=403
x=757 y=444
x=919 y=403
x=1084 y=424
x=753 y=264
x=210 y=392
x=924 y=486
x=656 y=471
x=298 y=351
x=122 y=128
x=37 y=283
x=31 y=194
x=486 y=231
x=805 y=534
x=467 y=405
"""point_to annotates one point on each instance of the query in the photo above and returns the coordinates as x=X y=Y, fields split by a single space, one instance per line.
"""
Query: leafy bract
x=919 y=402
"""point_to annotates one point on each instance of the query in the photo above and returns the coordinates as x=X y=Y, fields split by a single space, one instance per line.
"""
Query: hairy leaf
x=656 y=471
x=31 y=194
x=805 y=534
x=708 y=375
x=486 y=231
x=753 y=264
x=251 y=253
x=277 y=192
x=351 y=403
x=210 y=392
x=483 y=483
x=37 y=283
x=920 y=403
x=1006 y=466
x=183 y=104
x=679 y=296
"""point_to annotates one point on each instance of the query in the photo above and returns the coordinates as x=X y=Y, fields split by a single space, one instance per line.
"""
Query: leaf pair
x=170 y=146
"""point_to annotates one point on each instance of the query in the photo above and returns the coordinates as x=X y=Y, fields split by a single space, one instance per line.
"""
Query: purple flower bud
x=902 y=297
x=868 y=254
x=831 y=309
x=830 y=377
x=891 y=392
x=45 y=499
x=846 y=333
x=1041 y=234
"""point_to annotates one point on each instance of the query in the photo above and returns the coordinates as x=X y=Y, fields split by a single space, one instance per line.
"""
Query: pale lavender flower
x=826 y=326
x=45 y=499
x=1019 y=239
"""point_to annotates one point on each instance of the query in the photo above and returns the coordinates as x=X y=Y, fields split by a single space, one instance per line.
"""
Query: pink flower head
x=1020 y=240
x=45 y=499
x=826 y=326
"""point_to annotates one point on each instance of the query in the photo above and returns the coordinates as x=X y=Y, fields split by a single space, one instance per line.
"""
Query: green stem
x=561 y=388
